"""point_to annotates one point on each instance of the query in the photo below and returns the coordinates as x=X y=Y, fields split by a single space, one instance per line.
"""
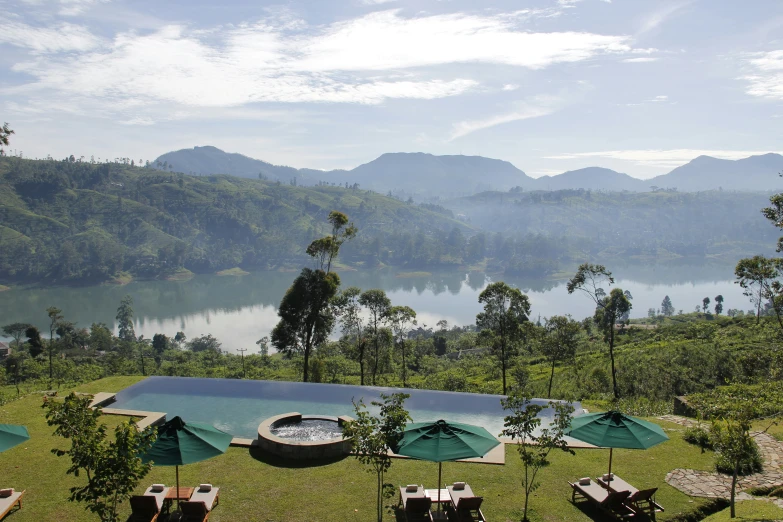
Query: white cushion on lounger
x=207 y=497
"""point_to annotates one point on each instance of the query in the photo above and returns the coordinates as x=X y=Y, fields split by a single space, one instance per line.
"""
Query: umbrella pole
x=440 y=469
x=610 y=464
x=177 y=469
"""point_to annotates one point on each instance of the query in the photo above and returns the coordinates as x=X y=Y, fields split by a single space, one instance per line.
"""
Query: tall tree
x=306 y=312
x=306 y=318
x=349 y=309
x=5 y=133
x=378 y=304
x=125 y=319
x=718 y=304
x=16 y=331
x=591 y=279
x=55 y=316
x=559 y=342
x=505 y=310
x=34 y=341
x=755 y=275
x=705 y=304
x=325 y=249
x=667 y=308
x=401 y=320
x=611 y=308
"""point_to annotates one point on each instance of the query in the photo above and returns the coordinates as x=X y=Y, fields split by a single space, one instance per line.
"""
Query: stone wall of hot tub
x=300 y=450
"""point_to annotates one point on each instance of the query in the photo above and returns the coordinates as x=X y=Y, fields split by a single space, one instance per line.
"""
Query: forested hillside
x=69 y=221
x=628 y=225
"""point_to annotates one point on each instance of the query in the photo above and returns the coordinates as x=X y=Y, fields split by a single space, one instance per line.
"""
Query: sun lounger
x=465 y=506
x=144 y=508
x=194 y=511
x=641 y=501
x=8 y=503
x=207 y=494
x=611 y=502
x=159 y=492
x=408 y=492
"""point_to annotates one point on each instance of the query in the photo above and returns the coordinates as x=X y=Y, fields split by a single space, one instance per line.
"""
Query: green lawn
x=257 y=488
x=749 y=510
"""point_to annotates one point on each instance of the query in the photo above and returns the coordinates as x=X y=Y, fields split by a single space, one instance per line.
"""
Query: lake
x=241 y=310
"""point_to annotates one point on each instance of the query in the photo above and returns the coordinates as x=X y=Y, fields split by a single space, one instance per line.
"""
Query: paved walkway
x=716 y=485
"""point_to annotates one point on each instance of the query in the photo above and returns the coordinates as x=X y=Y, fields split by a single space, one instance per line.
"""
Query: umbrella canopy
x=11 y=435
x=613 y=429
x=181 y=442
x=443 y=441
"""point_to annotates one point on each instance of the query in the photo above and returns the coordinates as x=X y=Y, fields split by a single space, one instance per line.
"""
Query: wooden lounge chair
x=194 y=511
x=465 y=506
x=144 y=508
x=610 y=502
x=8 y=503
x=641 y=501
x=415 y=504
x=210 y=496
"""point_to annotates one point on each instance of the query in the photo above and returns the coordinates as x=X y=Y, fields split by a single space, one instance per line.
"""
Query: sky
x=639 y=86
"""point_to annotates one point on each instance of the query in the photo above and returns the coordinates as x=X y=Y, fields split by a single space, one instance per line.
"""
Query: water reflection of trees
x=206 y=295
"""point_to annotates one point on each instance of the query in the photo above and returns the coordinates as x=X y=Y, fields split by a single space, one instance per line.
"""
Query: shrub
x=698 y=436
x=752 y=464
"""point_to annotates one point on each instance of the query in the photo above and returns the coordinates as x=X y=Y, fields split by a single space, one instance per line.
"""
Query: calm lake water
x=241 y=310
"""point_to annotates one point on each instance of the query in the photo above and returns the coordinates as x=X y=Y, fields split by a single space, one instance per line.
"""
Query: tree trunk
x=734 y=488
x=361 y=363
x=402 y=347
x=611 y=357
x=306 y=358
x=141 y=350
x=758 y=308
x=551 y=378
x=503 y=364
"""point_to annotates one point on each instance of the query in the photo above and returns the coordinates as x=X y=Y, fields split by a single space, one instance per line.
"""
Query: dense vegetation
x=76 y=221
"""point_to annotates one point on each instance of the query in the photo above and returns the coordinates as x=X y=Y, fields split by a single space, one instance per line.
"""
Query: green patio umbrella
x=613 y=429
x=181 y=442
x=11 y=435
x=443 y=441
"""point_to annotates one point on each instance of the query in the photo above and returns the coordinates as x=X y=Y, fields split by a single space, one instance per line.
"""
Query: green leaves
x=113 y=468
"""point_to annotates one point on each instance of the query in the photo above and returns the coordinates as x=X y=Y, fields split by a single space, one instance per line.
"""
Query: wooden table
x=181 y=494
x=445 y=498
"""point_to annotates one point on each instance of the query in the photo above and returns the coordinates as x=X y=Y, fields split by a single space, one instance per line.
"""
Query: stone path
x=716 y=485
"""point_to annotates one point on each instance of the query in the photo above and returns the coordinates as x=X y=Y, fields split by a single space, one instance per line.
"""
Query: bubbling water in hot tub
x=308 y=430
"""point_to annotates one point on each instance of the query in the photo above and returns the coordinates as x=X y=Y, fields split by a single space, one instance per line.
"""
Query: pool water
x=239 y=406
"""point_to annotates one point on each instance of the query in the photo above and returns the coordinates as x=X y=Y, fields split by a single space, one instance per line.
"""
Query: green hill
x=72 y=221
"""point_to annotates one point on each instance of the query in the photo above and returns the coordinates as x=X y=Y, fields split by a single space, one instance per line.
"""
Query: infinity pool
x=239 y=406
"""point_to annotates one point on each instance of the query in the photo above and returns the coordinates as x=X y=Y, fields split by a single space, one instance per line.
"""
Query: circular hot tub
x=304 y=437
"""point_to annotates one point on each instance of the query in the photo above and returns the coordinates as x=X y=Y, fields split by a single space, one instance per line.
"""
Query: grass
x=749 y=510
x=122 y=278
x=260 y=488
x=236 y=271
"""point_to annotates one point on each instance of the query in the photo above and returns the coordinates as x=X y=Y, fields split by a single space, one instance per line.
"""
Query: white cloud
x=58 y=38
x=376 y=2
x=660 y=99
x=643 y=59
x=510 y=87
x=659 y=158
x=658 y=17
x=767 y=79
x=69 y=7
x=365 y=60
x=533 y=108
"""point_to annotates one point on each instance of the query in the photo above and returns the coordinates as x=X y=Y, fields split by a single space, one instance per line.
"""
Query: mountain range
x=450 y=176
